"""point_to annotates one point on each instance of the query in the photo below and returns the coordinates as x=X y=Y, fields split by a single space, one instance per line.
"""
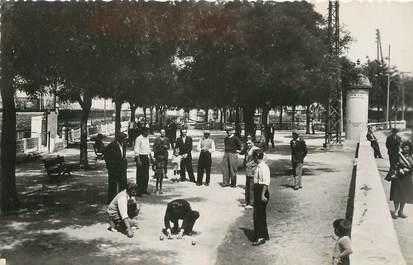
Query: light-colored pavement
x=403 y=227
x=66 y=223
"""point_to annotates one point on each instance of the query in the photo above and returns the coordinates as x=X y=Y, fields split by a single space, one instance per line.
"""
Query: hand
x=180 y=235
x=129 y=233
x=169 y=234
x=138 y=161
x=264 y=199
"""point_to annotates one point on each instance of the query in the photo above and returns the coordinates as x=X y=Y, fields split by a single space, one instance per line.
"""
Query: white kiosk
x=357 y=109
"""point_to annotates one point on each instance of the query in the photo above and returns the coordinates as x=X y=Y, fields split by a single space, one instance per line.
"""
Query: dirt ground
x=65 y=223
x=403 y=227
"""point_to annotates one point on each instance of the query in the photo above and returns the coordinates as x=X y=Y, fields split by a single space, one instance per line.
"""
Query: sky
x=393 y=19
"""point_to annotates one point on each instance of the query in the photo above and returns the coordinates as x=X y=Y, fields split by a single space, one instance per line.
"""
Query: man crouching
x=180 y=210
x=123 y=210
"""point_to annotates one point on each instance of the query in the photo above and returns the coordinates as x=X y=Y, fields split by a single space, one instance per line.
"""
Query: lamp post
x=388 y=92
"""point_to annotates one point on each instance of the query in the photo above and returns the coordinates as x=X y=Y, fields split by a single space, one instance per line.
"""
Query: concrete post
x=357 y=109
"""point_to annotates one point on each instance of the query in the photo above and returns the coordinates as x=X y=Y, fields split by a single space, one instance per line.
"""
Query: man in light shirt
x=120 y=219
x=205 y=146
x=142 y=157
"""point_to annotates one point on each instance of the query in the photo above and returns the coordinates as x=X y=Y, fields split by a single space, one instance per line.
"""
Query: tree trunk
x=293 y=118
x=206 y=115
x=151 y=113
x=221 y=119
x=248 y=113
x=264 y=116
x=157 y=115
x=133 y=108
x=280 y=119
x=86 y=104
x=144 y=114
x=307 y=120
x=118 y=107
x=8 y=197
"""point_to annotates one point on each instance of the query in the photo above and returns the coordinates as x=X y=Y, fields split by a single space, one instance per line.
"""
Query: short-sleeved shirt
x=262 y=174
x=119 y=205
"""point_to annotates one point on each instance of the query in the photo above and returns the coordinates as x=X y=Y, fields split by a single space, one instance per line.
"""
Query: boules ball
x=193 y=243
x=161 y=237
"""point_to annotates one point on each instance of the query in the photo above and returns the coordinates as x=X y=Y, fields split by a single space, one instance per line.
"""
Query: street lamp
x=389 y=74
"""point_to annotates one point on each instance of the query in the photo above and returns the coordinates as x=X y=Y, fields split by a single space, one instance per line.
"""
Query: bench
x=55 y=167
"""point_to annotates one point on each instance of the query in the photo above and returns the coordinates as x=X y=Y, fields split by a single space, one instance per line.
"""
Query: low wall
x=374 y=239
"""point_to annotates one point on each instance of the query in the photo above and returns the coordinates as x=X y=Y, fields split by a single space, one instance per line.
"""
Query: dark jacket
x=393 y=144
x=298 y=150
x=161 y=146
x=115 y=160
x=184 y=148
x=232 y=144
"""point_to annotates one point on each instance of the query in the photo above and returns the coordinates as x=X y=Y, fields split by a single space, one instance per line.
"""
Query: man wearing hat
x=393 y=147
x=142 y=157
x=298 y=153
x=232 y=147
x=205 y=147
x=115 y=158
x=184 y=144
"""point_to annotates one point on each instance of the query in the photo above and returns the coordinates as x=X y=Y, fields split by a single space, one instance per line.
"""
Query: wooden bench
x=55 y=167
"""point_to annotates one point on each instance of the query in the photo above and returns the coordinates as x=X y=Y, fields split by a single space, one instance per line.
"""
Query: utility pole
x=388 y=125
x=334 y=111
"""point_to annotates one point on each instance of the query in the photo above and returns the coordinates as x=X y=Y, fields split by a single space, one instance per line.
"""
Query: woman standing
x=261 y=197
x=401 y=189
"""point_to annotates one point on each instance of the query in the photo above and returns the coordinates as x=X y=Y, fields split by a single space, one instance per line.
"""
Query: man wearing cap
x=205 y=147
x=393 y=147
x=298 y=153
x=184 y=144
x=116 y=164
x=232 y=147
x=142 y=157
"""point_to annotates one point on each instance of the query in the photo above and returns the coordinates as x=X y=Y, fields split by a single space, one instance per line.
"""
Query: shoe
x=160 y=192
x=206 y=184
x=402 y=215
x=300 y=186
x=199 y=184
x=259 y=242
x=248 y=206
x=112 y=229
x=393 y=215
x=296 y=187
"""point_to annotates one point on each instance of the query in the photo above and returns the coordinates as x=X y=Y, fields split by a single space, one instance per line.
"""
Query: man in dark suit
x=373 y=142
x=298 y=153
x=184 y=143
x=393 y=147
x=116 y=163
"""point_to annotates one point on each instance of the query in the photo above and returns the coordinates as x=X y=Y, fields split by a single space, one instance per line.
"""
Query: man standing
x=393 y=147
x=172 y=127
x=250 y=166
x=160 y=148
x=184 y=144
x=373 y=142
x=230 y=160
x=298 y=153
x=205 y=147
x=180 y=210
x=260 y=140
x=116 y=164
x=270 y=131
x=142 y=158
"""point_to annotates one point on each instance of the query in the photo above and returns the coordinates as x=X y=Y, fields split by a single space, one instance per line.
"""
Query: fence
x=383 y=125
x=73 y=135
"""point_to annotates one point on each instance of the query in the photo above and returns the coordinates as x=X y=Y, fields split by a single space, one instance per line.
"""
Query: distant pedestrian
x=260 y=139
x=270 y=131
x=230 y=159
x=180 y=210
x=143 y=157
x=401 y=188
x=184 y=144
x=250 y=167
x=373 y=142
x=160 y=148
x=171 y=132
x=123 y=210
x=206 y=146
x=261 y=196
x=298 y=153
x=393 y=142
x=312 y=126
x=115 y=158
x=342 y=250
